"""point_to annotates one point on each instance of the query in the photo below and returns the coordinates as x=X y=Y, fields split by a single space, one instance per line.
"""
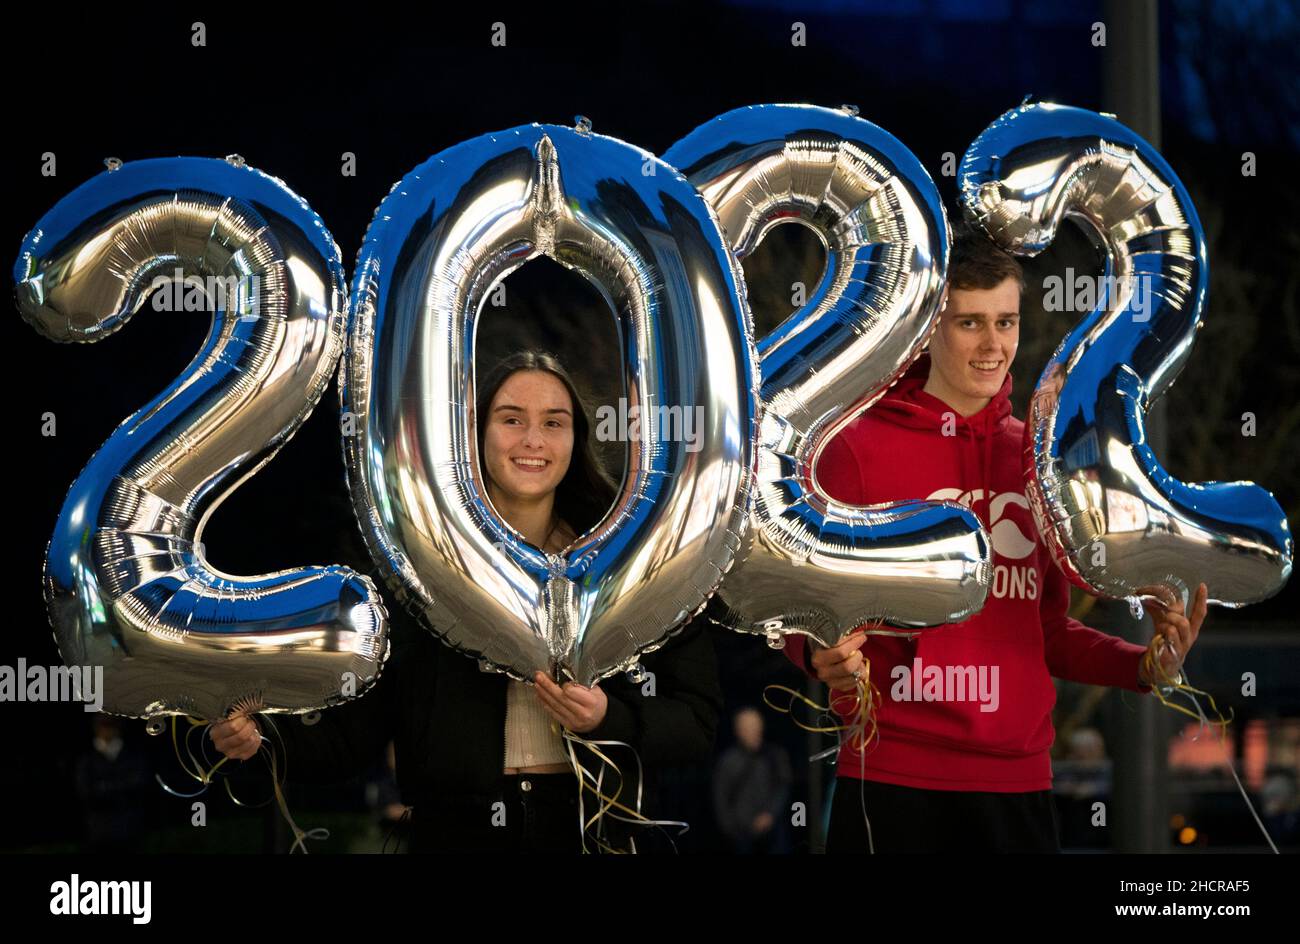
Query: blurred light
x=1254 y=752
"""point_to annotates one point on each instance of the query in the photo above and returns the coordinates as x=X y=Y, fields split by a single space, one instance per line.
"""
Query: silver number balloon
x=126 y=582
x=1117 y=522
x=878 y=215
x=443 y=237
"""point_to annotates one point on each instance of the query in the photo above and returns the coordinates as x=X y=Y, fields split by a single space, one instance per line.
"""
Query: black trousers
x=906 y=819
x=533 y=813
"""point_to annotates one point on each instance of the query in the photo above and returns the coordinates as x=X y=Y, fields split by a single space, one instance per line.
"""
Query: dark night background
x=292 y=96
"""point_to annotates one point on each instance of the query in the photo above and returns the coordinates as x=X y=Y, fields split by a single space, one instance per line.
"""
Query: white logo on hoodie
x=1008 y=540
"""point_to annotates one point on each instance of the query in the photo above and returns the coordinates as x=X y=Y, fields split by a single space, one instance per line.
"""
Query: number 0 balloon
x=633 y=226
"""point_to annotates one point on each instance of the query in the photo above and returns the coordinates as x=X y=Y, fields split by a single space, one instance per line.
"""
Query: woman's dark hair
x=585 y=493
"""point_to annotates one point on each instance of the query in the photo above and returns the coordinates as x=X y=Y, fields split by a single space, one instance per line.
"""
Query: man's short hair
x=975 y=262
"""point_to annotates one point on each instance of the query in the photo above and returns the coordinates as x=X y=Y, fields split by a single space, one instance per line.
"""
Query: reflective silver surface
x=448 y=232
x=809 y=564
x=1117 y=522
x=126 y=582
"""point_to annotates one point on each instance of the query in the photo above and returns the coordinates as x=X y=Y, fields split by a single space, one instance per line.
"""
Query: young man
x=964 y=719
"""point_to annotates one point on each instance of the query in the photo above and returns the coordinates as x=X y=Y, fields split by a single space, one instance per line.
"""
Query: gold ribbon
x=860 y=731
x=1163 y=686
x=595 y=783
x=195 y=769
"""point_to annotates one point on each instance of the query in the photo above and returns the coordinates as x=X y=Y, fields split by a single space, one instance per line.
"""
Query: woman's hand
x=840 y=665
x=1180 y=631
x=239 y=738
x=577 y=708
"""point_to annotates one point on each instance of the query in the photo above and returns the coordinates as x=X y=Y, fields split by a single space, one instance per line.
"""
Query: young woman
x=480 y=757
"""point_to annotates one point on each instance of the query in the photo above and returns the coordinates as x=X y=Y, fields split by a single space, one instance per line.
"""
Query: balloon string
x=636 y=817
x=300 y=836
x=861 y=729
x=195 y=768
x=862 y=800
x=587 y=781
x=403 y=822
x=860 y=732
x=581 y=772
x=1163 y=686
x=189 y=764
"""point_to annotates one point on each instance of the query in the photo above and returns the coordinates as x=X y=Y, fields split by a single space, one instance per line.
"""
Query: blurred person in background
x=751 y=785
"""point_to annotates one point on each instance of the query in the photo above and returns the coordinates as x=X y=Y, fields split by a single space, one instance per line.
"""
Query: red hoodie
x=966 y=706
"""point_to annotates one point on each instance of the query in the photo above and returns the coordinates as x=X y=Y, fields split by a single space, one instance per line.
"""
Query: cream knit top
x=530 y=739
x=532 y=736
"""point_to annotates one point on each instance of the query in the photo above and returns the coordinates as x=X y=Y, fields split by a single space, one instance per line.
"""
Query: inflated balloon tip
x=850 y=110
x=582 y=124
x=112 y=163
x=235 y=160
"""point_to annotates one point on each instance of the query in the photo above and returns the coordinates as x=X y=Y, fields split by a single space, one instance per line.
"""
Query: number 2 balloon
x=810 y=564
x=126 y=583
x=1117 y=522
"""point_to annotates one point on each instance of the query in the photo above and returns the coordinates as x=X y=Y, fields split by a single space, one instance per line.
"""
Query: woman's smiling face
x=529 y=437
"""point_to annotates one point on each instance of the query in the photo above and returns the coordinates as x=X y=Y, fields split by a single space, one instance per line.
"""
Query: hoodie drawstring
x=986 y=476
x=979 y=465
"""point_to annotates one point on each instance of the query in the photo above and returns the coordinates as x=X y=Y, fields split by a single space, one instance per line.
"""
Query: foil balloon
x=126 y=584
x=810 y=564
x=450 y=230
x=1118 y=524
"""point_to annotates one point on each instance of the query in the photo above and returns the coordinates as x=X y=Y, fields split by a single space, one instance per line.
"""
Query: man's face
x=974 y=345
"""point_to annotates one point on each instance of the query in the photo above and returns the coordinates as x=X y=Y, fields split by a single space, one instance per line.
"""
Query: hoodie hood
x=907 y=404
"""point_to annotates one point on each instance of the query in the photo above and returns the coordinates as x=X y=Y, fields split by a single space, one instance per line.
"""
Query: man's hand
x=1179 y=631
x=238 y=738
x=577 y=708
x=840 y=665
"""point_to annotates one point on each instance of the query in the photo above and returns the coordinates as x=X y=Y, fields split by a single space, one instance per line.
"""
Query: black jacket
x=447 y=719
